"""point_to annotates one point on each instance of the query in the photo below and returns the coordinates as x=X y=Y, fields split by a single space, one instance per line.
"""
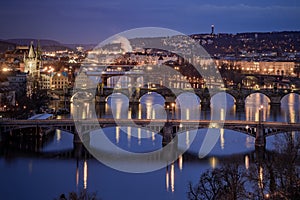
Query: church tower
x=33 y=62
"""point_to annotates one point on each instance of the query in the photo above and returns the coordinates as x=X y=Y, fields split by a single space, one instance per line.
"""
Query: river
x=29 y=174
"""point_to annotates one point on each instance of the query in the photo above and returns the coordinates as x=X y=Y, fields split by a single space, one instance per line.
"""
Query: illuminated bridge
x=258 y=129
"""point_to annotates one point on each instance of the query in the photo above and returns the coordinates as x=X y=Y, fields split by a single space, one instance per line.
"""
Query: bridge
x=167 y=129
x=136 y=81
x=239 y=95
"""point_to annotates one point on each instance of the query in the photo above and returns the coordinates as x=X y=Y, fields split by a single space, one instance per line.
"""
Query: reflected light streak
x=117 y=134
x=85 y=174
x=222 y=140
x=260 y=177
x=106 y=106
x=180 y=162
x=129 y=114
x=187 y=139
x=77 y=175
x=153 y=136
x=58 y=135
x=213 y=162
x=167 y=179
x=153 y=113
x=118 y=109
x=148 y=110
x=140 y=112
x=256 y=116
x=128 y=133
x=222 y=114
x=247 y=162
x=187 y=114
x=172 y=178
x=139 y=136
x=86 y=110
x=291 y=101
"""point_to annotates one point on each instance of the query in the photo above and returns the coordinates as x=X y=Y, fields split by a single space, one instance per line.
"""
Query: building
x=285 y=68
x=59 y=80
x=32 y=66
x=7 y=94
x=17 y=80
x=84 y=82
x=33 y=62
x=45 y=81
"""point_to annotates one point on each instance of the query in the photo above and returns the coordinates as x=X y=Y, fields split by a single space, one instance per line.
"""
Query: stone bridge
x=168 y=130
x=239 y=95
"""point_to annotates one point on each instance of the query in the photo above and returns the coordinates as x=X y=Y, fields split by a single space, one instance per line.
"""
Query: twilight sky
x=91 y=21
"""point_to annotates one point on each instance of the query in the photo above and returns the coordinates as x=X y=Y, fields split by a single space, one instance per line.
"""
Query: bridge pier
x=205 y=104
x=133 y=101
x=260 y=139
x=167 y=133
x=275 y=105
x=100 y=99
x=275 y=101
x=76 y=138
x=240 y=104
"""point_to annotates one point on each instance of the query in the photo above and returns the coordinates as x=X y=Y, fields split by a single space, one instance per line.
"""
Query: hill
x=4 y=46
x=46 y=45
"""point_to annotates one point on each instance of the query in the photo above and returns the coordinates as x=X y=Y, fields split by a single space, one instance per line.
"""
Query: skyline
x=93 y=21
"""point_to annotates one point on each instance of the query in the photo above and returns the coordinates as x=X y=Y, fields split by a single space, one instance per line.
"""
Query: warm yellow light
x=180 y=162
x=172 y=178
x=247 y=162
x=213 y=162
x=85 y=174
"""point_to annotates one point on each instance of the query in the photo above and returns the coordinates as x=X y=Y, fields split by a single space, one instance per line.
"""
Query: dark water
x=55 y=170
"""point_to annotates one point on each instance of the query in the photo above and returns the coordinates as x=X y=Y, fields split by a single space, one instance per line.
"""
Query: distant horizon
x=95 y=43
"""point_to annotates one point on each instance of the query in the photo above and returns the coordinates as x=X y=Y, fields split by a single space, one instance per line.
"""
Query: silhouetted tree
x=226 y=182
x=83 y=195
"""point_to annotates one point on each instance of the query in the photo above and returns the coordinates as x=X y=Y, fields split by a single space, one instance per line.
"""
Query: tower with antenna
x=212 y=30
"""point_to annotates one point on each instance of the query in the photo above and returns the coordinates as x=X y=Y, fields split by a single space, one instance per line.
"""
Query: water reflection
x=247 y=162
x=152 y=107
x=170 y=178
x=85 y=174
x=260 y=177
x=92 y=175
x=222 y=140
x=213 y=161
x=174 y=181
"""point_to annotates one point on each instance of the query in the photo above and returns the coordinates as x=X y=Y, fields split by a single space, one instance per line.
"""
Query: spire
x=31 y=51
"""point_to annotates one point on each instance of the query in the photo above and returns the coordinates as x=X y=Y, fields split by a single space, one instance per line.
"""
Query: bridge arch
x=228 y=96
x=115 y=96
x=155 y=96
x=291 y=98
x=82 y=96
x=187 y=106
x=261 y=98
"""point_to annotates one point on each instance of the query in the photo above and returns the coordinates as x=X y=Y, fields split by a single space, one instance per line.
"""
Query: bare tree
x=226 y=182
